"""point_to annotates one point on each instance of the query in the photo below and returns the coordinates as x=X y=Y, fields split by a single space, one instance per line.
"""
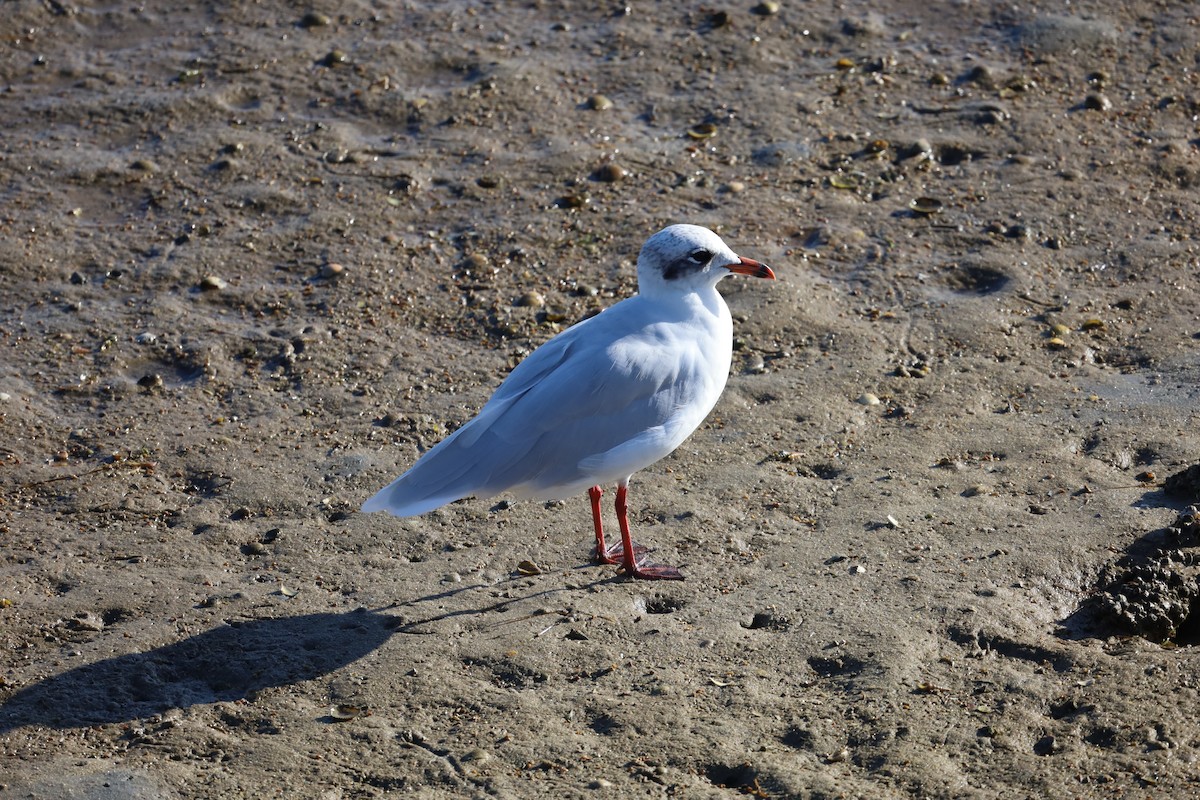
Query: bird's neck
x=699 y=299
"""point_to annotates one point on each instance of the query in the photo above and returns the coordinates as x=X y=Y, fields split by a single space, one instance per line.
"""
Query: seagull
x=603 y=399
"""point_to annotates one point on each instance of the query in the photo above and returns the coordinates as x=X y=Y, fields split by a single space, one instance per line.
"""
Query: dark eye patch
x=692 y=262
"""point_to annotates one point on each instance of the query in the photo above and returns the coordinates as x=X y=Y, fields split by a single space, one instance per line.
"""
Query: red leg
x=632 y=565
x=606 y=554
x=602 y=554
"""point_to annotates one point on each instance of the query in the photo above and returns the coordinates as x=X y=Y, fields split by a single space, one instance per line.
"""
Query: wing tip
x=412 y=508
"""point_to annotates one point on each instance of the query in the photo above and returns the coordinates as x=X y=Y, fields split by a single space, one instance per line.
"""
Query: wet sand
x=255 y=261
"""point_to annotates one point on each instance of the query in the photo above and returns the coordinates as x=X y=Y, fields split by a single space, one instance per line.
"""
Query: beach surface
x=256 y=259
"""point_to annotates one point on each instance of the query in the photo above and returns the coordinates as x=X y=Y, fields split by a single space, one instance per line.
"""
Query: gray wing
x=568 y=401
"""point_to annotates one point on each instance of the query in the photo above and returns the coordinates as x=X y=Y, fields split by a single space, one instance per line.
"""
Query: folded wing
x=576 y=398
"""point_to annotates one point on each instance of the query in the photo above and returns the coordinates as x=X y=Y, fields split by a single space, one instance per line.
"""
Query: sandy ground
x=255 y=261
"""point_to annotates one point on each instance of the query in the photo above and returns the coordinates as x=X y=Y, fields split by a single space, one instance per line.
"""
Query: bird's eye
x=701 y=257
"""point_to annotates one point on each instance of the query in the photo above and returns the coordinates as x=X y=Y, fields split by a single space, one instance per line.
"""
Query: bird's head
x=683 y=258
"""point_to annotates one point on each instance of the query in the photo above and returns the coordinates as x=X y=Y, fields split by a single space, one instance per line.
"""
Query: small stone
x=599 y=102
x=87 y=621
x=332 y=270
x=867 y=399
x=335 y=57
x=478 y=755
x=766 y=9
x=530 y=300
x=571 y=201
x=611 y=173
x=475 y=261
x=314 y=19
x=1097 y=102
x=556 y=314
x=212 y=283
x=981 y=75
x=918 y=148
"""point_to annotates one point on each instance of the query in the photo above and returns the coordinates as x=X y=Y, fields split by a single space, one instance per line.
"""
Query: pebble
x=314 y=19
x=557 y=314
x=981 y=75
x=1097 y=102
x=478 y=755
x=332 y=270
x=530 y=300
x=611 y=173
x=867 y=399
x=87 y=621
x=571 y=201
x=918 y=148
x=599 y=102
x=926 y=206
x=212 y=283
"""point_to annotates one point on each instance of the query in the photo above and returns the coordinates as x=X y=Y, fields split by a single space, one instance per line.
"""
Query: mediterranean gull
x=600 y=401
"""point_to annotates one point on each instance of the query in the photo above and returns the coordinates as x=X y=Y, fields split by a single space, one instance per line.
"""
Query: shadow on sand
x=229 y=662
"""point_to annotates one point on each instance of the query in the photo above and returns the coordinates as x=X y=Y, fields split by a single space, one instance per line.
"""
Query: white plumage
x=600 y=401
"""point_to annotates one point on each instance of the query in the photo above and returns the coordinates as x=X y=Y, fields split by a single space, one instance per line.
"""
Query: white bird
x=601 y=400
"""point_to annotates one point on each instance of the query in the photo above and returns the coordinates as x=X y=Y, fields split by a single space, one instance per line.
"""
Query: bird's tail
x=467 y=463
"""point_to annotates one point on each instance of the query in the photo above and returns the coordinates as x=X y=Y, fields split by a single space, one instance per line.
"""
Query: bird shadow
x=232 y=661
